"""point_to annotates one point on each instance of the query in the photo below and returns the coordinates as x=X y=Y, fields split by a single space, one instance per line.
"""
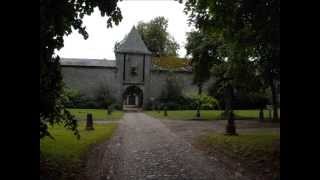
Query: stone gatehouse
x=134 y=78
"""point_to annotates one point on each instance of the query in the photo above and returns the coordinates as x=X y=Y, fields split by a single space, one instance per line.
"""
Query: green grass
x=205 y=114
x=97 y=114
x=62 y=157
x=253 y=149
x=244 y=143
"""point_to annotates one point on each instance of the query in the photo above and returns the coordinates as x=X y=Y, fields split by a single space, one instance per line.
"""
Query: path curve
x=144 y=148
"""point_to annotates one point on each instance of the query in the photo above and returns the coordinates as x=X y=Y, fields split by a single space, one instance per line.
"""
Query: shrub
x=242 y=99
x=207 y=102
x=103 y=97
x=117 y=106
x=253 y=100
x=171 y=95
x=76 y=100
x=148 y=105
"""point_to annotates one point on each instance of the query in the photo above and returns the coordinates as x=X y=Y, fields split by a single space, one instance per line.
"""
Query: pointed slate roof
x=133 y=44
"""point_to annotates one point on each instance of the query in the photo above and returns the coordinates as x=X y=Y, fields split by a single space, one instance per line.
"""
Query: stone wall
x=158 y=80
x=87 y=80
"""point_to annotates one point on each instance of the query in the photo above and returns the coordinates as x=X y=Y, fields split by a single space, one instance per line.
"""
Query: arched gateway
x=133 y=97
x=134 y=64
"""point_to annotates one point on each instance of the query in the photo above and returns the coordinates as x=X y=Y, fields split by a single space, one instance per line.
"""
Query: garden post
x=261 y=117
x=165 y=111
x=109 y=110
x=89 y=125
x=270 y=114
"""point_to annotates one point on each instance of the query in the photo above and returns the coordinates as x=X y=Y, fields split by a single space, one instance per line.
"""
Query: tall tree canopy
x=156 y=37
x=203 y=49
x=250 y=26
x=231 y=68
x=57 y=19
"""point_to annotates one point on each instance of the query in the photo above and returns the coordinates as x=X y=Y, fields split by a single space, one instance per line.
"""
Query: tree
x=230 y=66
x=57 y=19
x=252 y=25
x=104 y=96
x=172 y=89
x=171 y=93
x=230 y=76
x=156 y=37
x=203 y=49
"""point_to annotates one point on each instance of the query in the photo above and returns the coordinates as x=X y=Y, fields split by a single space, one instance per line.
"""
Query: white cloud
x=102 y=39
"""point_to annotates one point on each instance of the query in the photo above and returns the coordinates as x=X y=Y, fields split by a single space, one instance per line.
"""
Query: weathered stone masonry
x=131 y=78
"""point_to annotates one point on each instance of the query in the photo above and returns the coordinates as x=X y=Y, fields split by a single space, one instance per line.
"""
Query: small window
x=133 y=71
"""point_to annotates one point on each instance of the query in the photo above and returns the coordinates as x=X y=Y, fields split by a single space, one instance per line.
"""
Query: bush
x=103 y=97
x=149 y=105
x=117 y=106
x=242 y=99
x=171 y=96
x=187 y=103
x=76 y=100
x=207 y=102
x=250 y=100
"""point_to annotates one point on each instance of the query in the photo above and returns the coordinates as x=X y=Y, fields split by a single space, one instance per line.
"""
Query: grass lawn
x=62 y=157
x=97 y=114
x=258 y=151
x=206 y=114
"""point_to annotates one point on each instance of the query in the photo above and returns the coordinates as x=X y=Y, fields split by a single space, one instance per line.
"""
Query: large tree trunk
x=274 y=102
x=230 y=128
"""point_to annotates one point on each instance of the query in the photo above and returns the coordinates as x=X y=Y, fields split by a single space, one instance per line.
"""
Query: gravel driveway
x=144 y=148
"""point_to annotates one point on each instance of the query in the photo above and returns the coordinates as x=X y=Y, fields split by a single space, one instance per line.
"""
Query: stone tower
x=133 y=61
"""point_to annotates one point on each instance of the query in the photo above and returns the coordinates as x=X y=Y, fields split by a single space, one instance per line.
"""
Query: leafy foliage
x=207 y=115
x=249 y=28
x=104 y=97
x=203 y=49
x=206 y=102
x=171 y=91
x=57 y=19
x=157 y=38
x=170 y=62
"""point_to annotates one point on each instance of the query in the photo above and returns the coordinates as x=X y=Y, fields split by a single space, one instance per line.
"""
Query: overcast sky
x=101 y=39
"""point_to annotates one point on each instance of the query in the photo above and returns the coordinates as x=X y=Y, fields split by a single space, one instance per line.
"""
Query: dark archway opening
x=133 y=96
